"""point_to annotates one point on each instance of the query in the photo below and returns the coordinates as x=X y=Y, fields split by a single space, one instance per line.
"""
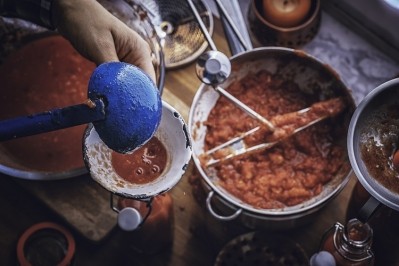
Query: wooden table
x=83 y=207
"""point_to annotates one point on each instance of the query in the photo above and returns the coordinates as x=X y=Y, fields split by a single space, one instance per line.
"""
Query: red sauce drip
x=45 y=74
x=142 y=166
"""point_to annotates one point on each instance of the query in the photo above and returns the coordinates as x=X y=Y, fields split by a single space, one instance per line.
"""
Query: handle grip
x=51 y=120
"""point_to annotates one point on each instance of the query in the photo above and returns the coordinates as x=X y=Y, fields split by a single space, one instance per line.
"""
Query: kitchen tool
x=17 y=35
x=244 y=150
x=213 y=68
x=237 y=147
x=172 y=132
x=116 y=90
x=369 y=114
x=315 y=80
x=179 y=32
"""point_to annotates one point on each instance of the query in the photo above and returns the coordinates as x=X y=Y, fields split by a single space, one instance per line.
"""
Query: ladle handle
x=51 y=120
x=368 y=209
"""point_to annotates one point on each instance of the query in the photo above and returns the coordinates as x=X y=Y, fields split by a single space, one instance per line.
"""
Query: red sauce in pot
x=45 y=74
x=143 y=165
x=291 y=172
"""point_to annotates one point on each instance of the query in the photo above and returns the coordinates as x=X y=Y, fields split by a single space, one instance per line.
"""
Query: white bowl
x=172 y=132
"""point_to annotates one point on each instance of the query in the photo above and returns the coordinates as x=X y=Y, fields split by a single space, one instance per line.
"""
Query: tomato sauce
x=143 y=165
x=45 y=74
x=296 y=169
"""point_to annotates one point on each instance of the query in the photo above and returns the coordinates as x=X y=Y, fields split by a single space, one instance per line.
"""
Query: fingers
x=100 y=36
x=140 y=56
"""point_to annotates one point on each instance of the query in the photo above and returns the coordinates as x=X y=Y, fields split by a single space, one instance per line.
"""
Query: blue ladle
x=124 y=106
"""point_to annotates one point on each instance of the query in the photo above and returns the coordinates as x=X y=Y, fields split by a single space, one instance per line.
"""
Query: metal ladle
x=213 y=67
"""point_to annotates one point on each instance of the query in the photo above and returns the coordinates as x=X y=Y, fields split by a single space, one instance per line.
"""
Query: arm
x=92 y=30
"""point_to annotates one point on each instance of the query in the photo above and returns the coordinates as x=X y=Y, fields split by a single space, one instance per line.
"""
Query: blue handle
x=51 y=120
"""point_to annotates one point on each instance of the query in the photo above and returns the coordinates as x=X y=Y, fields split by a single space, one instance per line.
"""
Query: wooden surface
x=83 y=206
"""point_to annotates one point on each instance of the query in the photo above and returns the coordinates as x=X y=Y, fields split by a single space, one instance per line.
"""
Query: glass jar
x=346 y=245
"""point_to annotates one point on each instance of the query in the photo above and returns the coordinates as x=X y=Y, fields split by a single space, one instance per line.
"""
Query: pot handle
x=217 y=216
x=368 y=209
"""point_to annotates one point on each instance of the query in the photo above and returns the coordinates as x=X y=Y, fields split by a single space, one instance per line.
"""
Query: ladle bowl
x=368 y=115
x=173 y=134
x=133 y=105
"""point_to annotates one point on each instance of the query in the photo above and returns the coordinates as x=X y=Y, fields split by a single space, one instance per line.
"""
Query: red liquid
x=142 y=166
x=43 y=75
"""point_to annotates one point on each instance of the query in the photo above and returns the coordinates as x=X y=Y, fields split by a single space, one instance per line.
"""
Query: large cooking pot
x=313 y=78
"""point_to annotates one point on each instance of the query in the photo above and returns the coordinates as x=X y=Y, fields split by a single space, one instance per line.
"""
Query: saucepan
x=314 y=79
x=373 y=139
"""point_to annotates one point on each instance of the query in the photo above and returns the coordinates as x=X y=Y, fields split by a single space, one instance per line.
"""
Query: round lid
x=129 y=219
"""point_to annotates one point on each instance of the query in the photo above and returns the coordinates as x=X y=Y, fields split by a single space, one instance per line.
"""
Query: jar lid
x=45 y=243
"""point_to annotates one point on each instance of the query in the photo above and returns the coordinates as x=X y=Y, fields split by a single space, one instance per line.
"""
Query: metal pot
x=366 y=122
x=313 y=78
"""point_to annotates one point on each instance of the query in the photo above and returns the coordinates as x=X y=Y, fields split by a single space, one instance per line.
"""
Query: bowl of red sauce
x=41 y=71
x=150 y=170
x=284 y=186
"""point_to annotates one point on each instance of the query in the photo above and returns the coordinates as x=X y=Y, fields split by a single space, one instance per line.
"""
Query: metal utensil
x=214 y=67
x=243 y=149
x=237 y=147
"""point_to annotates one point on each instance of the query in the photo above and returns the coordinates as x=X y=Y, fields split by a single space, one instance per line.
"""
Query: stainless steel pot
x=369 y=114
x=313 y=78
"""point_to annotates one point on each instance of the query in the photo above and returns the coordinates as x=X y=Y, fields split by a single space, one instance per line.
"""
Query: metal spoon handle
x=245 y=108
x=51 y=120
x=202 y=25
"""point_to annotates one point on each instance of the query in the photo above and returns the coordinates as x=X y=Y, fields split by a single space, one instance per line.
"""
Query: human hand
x=100 y=36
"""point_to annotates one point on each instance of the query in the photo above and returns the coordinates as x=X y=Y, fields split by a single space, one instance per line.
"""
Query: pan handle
x=368 y=209
x=217 y=216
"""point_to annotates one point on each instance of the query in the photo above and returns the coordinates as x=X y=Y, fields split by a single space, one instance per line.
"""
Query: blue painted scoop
x=124 y=106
